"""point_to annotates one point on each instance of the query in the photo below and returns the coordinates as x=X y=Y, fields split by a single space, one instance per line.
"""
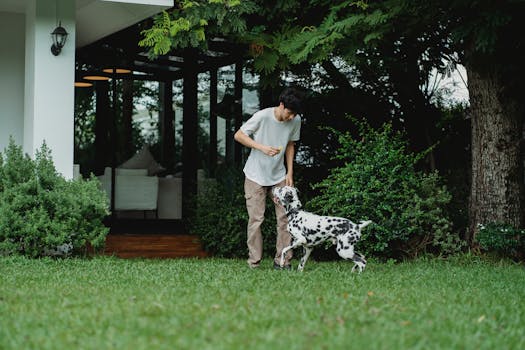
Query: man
x=271 y=134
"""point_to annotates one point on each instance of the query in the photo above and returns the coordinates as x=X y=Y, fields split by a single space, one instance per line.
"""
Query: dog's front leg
x=297 y=242
x=307 y=251
x=285 y=250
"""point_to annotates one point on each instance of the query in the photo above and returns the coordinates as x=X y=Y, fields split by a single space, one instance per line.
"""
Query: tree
x=392 y=46
x=482 y=35
x=493 y=56
x=190 y=23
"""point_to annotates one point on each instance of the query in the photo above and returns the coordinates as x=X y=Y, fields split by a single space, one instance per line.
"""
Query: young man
x=271 y=134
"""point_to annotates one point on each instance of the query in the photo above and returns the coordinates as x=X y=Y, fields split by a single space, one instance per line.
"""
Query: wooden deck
x=154 y=246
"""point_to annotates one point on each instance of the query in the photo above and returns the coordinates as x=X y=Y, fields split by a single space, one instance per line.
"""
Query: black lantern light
x=59 y=36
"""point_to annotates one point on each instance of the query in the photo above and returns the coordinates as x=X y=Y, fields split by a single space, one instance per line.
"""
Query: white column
x=49 y=90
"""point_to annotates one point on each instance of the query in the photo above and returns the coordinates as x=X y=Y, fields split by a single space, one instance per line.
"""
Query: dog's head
x=287 y=197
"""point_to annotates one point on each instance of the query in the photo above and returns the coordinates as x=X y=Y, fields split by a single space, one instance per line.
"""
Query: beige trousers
x=255 y=195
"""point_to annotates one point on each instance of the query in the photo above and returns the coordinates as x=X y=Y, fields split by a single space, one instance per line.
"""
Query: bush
x=43 y=214
x=379 y=182
x=221 y=217
x=502 y=239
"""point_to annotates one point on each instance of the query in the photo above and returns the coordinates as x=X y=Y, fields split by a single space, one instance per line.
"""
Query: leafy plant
x=221 y=217
x=41 y=213
x=191 y=22
x=379 y=182
x=503 y=239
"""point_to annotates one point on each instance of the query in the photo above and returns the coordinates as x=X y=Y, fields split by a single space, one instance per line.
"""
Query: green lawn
x=109 y=303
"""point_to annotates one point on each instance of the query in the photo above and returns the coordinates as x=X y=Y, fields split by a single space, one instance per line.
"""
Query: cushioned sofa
x=134 y=189
x=141 y=193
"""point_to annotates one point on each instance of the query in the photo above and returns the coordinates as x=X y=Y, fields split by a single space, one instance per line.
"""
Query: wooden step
x=154 y=246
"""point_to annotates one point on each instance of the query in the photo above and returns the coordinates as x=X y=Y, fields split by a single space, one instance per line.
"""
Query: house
x=37 y=81
x=37 y=92
x=36 y=86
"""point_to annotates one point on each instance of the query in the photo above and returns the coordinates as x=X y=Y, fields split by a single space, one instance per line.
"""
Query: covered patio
x=109 y=67
x=37 y=91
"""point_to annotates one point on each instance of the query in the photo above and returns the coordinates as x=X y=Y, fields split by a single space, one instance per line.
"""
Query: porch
x=138 y=232
x=154 y=246
x=38 y=97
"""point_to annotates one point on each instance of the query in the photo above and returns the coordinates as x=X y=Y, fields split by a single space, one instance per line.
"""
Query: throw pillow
x=143 y=160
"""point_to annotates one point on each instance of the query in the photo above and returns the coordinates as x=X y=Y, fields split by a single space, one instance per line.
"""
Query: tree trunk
x=497 y=189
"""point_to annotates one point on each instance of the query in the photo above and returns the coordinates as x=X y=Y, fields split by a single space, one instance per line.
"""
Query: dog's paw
x=358 y=267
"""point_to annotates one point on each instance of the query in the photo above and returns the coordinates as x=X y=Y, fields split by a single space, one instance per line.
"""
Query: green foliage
x=43 y=214
x=221 y=217
x=189 y=24
x=379 y=182
x=347 y=25
x=503 y=239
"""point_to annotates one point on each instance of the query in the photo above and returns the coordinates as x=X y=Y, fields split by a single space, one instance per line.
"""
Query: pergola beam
x=213 y=122
x=238 y=109
x=189 y=132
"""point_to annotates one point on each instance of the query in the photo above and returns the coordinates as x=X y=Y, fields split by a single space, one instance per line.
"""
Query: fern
x=191 y=24
x=267 y=61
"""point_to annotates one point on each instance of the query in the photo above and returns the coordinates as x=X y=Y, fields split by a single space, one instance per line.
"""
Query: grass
x=109 y=303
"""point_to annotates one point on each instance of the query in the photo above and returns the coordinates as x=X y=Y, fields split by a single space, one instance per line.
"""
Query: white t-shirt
x=265 y=129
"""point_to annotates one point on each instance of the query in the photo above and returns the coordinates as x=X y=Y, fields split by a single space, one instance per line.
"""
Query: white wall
x=49 y=90
x=12 y=48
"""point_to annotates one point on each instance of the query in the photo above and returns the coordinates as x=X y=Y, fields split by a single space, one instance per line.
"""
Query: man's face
x=286 y=114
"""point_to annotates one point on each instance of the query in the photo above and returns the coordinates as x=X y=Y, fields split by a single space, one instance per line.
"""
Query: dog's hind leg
x=346 y=251
x=307 y=251
x=359 y=262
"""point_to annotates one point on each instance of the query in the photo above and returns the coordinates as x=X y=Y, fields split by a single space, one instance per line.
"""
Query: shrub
x=43 y=214
x=379 y=182
x=502 y=239
x=221 y=218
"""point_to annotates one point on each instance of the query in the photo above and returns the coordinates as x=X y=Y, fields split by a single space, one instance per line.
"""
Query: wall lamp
x=95 y=77
x=116 y=70
x=59 y=36
x=83 y=84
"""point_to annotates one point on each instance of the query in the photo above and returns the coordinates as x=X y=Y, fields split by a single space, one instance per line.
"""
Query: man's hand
x=289 y=179
x=269 y=150
x=247 y=141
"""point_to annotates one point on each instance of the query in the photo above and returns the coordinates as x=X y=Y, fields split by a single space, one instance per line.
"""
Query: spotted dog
x=308 y=229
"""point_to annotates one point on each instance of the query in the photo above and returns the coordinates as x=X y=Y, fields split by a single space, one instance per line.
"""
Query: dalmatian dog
x=309 y=230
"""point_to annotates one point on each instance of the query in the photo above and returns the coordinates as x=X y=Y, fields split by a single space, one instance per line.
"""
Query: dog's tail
x=363 y=224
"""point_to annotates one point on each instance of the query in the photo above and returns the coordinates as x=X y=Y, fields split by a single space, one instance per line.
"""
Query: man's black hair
x=292 y=99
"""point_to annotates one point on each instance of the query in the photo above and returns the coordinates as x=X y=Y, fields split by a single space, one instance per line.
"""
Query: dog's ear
x=294 y=190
